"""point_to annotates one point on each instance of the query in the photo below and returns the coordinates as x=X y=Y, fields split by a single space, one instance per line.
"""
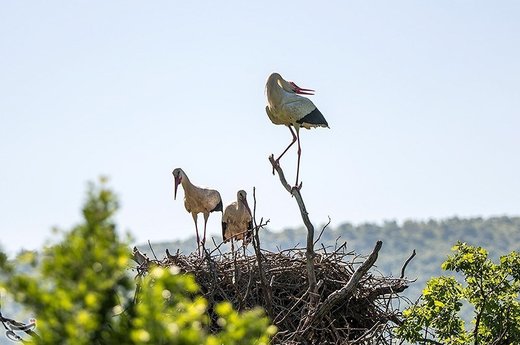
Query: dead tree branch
x=311 y=275
x=406 y=264
x=12 y=326
x=322 y=230
x=345 y=292
x=256 y=245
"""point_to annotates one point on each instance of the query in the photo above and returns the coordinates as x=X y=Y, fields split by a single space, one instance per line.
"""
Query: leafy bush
x=83 y=292
x=492 y=290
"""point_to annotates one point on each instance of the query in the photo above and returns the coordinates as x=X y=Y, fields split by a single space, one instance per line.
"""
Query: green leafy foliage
x=83 y=292
x=181 y=316
x=491 y=289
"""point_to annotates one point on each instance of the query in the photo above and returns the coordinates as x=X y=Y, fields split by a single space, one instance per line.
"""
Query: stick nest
x=280 y=286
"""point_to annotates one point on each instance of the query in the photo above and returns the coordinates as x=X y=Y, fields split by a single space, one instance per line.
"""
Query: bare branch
x=139 y=257
x=150 y=245
x=406 y=264
x=311 y=275
x=347 y=291
x=431 y=341
x=322 y=230
x=256 y=245
x=12 y=325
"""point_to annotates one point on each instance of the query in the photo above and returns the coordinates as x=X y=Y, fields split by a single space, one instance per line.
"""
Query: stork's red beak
x=177 y=182
x=300 y=90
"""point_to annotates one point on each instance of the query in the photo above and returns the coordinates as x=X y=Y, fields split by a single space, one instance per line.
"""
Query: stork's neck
x=186 y=183
x=275 y=93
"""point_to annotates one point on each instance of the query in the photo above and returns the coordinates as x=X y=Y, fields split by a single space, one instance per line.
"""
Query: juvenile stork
x=286 y=107
x=237 y=221
x=197 y=200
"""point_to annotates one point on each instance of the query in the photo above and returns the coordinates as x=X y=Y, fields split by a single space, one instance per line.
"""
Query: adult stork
x=237 y=221
x=197 y=200
x=286 y=107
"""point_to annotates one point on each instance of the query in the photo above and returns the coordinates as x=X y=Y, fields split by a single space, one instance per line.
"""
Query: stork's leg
x=194 y=215
x=299 y=154
x=233 y=255
x=291 y=144
x=206 y=216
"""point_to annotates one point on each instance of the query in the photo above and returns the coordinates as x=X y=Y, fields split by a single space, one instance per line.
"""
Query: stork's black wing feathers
x=218 y=208
x=315 y=117
x=224 y=226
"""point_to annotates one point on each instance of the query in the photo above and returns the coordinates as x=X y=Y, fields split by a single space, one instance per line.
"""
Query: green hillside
x=431 y=239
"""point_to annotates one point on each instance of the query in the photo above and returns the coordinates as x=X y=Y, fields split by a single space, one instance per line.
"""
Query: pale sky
x=422 y=97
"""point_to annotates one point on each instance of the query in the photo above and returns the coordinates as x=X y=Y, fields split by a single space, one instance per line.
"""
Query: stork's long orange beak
x=300 y=90
x=177 y=182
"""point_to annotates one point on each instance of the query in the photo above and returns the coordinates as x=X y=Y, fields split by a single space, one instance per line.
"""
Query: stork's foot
x=298 y=186
x=275 y=162
x=203 y=248
x=200 y=249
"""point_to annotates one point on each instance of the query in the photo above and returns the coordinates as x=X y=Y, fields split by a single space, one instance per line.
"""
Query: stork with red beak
x=237 y=221
x=286 y=107
x=197 y=200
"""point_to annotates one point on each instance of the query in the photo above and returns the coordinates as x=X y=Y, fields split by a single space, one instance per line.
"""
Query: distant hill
x=431 y=239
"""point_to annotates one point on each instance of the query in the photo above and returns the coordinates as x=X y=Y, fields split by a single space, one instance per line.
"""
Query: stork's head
x=177 y=176
x=242 y=198
x=289 y=86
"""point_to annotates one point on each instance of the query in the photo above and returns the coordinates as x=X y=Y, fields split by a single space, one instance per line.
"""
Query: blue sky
x=422 y=98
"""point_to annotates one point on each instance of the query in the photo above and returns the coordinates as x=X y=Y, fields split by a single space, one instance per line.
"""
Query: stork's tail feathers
x=313 y=119
x=218 y=208
x=224 y=226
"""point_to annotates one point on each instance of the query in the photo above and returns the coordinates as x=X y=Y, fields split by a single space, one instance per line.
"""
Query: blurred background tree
x=491 y=290
x=83 y=292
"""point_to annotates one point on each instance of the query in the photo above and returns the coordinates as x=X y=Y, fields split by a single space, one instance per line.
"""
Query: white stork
x=197 y=200
x=286 y=107
x=237 y=220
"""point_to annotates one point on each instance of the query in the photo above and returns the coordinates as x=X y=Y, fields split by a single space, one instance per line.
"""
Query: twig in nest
x=345 y=292
x=256 y=244
x=150 y=245
x=217 y=247
x=406 y=264
x=321 y=232
x=141 y=259
x=11 y=326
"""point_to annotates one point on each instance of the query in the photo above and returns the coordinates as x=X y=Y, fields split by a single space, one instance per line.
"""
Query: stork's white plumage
x=237 y=221
x=286 y=107
x=197 y=200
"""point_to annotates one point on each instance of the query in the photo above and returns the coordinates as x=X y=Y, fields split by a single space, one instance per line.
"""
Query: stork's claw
x=298 y=187
x=275 y=163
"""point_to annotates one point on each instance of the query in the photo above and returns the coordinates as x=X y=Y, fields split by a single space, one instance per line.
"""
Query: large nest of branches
x=325 y=296
x=349 y=307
